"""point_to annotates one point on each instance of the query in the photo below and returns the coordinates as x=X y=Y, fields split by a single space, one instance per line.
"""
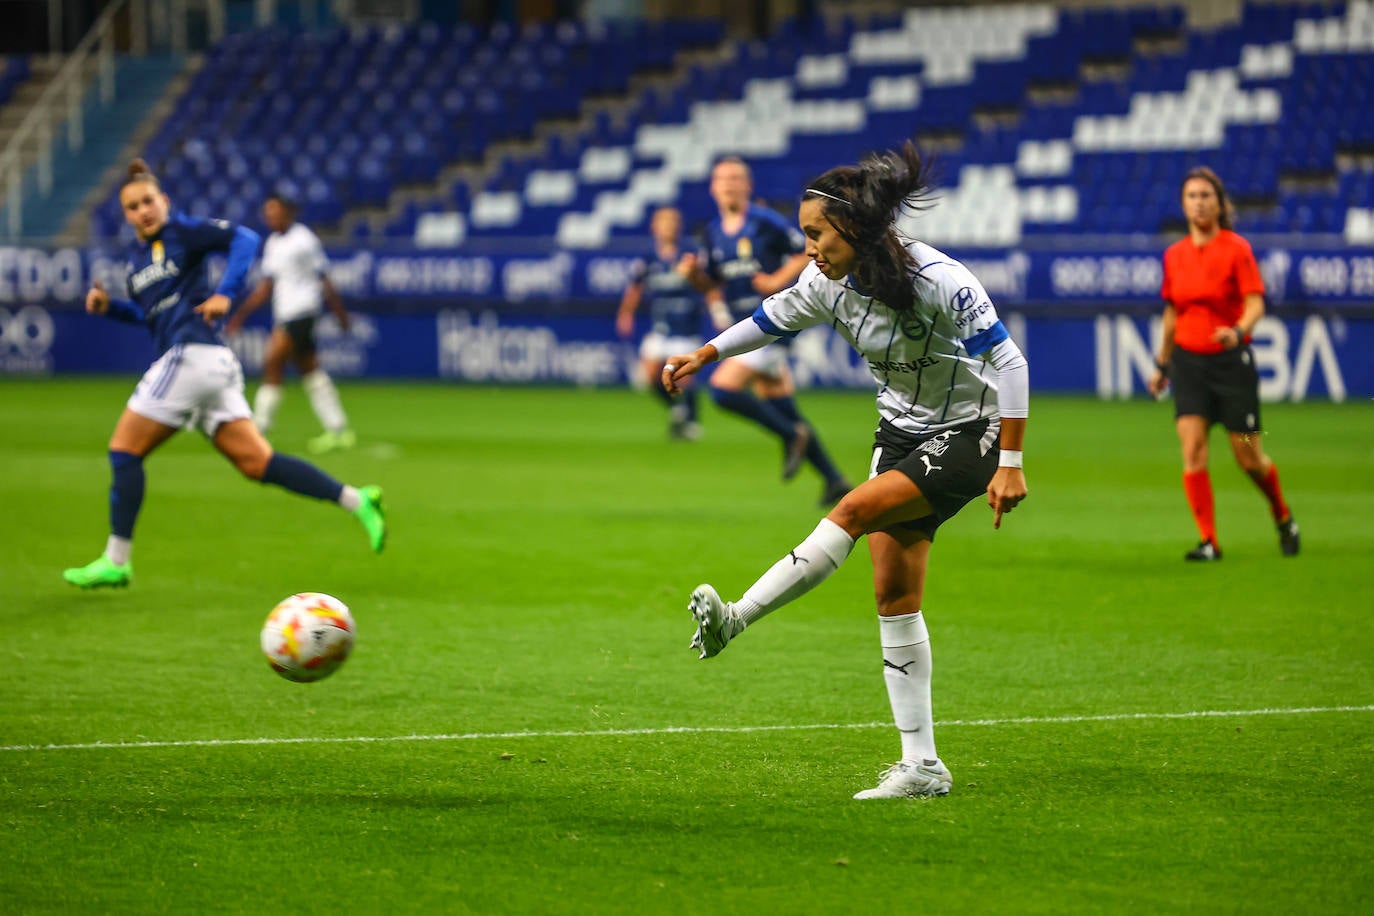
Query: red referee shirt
x=1207 y=287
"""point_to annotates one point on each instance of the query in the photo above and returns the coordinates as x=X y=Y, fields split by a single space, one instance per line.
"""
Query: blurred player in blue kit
x=195 y=381
x=662 y=279
x=752 y=252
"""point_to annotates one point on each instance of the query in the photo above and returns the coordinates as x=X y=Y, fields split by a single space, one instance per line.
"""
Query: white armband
x=740 y=337
x=1009 y=458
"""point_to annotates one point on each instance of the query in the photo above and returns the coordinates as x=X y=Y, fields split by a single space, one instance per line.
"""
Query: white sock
x=350 y=498
x=324 y=398
x=265 y=404
x=906 y=668
x=118 y=549
x=797 y=573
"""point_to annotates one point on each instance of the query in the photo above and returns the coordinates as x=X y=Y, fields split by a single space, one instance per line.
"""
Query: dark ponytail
x=861 y=202
x=139 y=171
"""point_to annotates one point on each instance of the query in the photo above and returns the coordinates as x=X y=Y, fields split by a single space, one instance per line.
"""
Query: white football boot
x=716 y=621
x=907 y=779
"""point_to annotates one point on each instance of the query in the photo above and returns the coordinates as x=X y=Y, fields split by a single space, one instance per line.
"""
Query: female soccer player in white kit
x=195 y=381
x=952 y=402
x=295 y=276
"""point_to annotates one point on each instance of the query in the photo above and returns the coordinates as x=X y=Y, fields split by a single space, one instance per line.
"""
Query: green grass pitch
x=546 y=743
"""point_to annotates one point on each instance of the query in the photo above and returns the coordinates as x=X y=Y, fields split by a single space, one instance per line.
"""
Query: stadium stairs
x=139 y=82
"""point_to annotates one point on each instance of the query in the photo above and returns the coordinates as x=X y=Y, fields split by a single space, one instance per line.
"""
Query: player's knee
x=723 y=396
x=895 y=598
x=252 y=465
x=854 y=513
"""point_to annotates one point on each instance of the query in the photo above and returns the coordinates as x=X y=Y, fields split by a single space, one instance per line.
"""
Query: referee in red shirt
x=1214 y=297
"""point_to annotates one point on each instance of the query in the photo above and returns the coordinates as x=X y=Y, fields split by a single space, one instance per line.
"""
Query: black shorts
x=950 y=467
x=1221 y=387
x=302 y=334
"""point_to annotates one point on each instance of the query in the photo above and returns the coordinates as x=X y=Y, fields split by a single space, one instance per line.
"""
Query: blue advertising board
x=416 y=278
x=1110 y=354
x=1088 y=321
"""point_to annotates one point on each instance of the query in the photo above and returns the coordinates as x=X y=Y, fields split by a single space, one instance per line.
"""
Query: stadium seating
x=1045 y=121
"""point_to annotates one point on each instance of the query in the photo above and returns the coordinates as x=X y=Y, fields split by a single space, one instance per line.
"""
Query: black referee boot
x=1288 y=537
x=1205 y=552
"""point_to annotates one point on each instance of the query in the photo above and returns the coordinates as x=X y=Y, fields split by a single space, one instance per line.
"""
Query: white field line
x=687 y=730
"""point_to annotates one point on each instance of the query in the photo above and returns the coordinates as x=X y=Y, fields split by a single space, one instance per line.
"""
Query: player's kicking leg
x=717 y=622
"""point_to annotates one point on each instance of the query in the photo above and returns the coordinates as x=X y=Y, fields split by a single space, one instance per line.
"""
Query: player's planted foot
x=911 y=779
x=1204 y=552
x=834 y=491
x=370 y=513
x=687 y=430
x=716 y=621
x=102 y=573
x=332 y=442
x=796 y=451
x=1289 y=542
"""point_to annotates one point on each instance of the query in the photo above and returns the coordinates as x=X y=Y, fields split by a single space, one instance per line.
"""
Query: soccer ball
x=308 y=636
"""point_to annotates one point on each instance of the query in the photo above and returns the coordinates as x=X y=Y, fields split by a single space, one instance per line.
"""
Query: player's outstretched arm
x=1008 y=486
x=629 y=304
x=97 y=300
x=335 y=303
x=679 y=368
x=260 y=294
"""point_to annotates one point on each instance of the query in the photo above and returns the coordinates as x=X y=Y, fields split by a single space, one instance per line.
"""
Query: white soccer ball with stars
x=308 y=636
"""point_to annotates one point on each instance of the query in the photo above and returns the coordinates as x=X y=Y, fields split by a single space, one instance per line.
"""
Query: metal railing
x=62 y=99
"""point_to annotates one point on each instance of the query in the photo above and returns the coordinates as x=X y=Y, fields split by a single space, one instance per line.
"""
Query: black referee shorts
x=1221 y=387
x=950 y=467
x=302 y=334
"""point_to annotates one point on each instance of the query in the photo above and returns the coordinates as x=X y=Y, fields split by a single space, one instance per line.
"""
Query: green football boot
x=100 y=574
x=370 y=513
x=332 y=442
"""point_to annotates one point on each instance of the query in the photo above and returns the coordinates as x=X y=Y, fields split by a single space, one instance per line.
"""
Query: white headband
x=831 y=196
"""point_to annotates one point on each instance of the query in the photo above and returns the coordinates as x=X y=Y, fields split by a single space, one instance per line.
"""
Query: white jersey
x=932 y=364
x=295 y=262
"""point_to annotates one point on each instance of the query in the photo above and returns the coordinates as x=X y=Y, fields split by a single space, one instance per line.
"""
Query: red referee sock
x=1197 y=485
x=1269 y=486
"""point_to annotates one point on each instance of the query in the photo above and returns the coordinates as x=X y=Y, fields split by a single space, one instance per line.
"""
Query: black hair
x=861 y=203
x=1225 y=217
x=286 y=200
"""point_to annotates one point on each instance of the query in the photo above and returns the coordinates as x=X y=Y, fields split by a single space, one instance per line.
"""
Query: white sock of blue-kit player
x=906 y=668
x=350 y=498
x=794 y=575
x=118 y=549
x=265 y=404
x=324 y=399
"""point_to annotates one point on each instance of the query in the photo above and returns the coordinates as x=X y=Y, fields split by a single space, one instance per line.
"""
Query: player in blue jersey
x=663 y=280
x=752 y=252
x=953 y=397
x=195 y=381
